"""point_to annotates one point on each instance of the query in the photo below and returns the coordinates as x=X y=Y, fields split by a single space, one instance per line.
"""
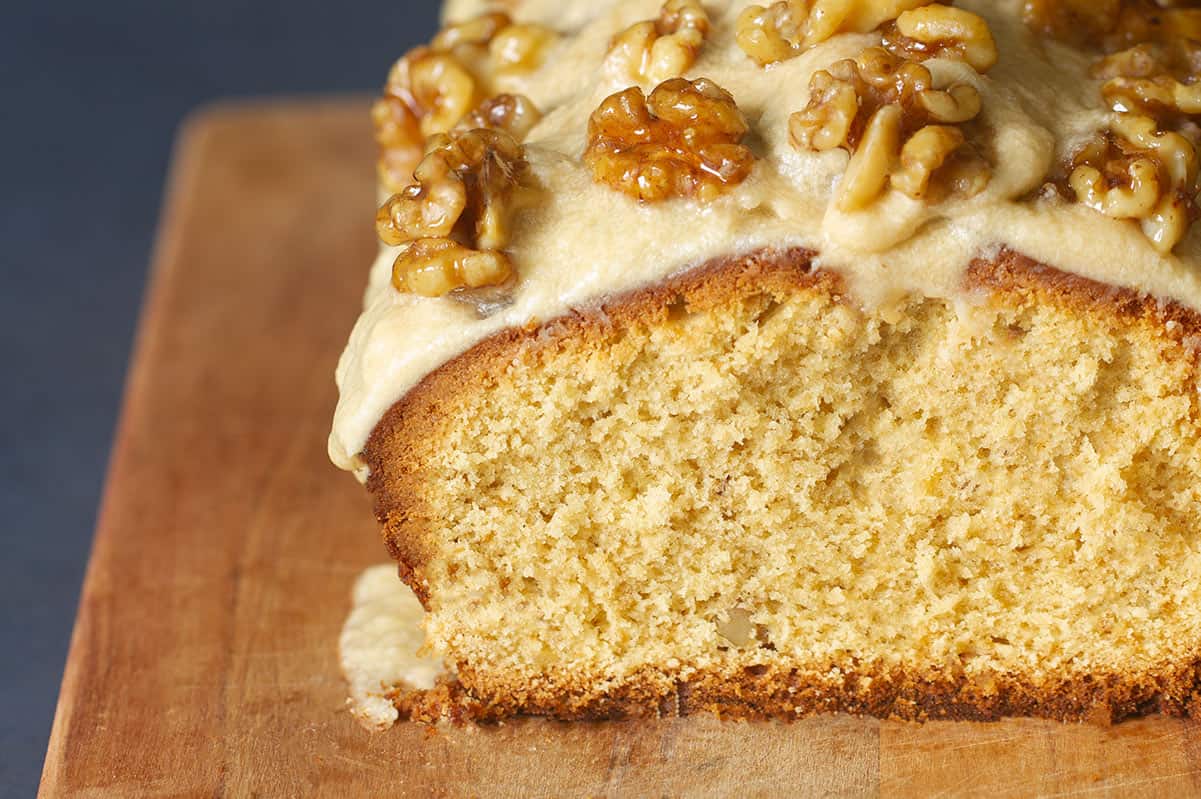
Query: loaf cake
x=769 y=360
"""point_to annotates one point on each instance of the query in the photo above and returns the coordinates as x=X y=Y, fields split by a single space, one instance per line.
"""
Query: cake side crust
x=807 y=689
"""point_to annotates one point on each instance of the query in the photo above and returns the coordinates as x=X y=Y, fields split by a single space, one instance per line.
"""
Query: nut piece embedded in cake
x=886 y=112
x=454 y=219
x=684 y=140
x=433 y=88
x=662 y=48
x=786 y=28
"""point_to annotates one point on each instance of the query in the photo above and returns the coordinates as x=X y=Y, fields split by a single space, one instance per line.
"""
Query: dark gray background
x=90 y=97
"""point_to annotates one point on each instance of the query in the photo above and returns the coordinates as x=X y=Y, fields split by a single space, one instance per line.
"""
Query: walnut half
x=786 y=28
x=435 y=267
x=1155 y=79
x=939 y=31
x=684 y=140
x=1114 y=25
x=899 y=129
x=433 y=88
x=453 y=221
x=1143 y=166
x=657 y=49
x=1137 y=171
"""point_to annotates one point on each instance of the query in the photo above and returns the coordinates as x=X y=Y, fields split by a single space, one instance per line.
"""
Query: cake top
x=540 y=156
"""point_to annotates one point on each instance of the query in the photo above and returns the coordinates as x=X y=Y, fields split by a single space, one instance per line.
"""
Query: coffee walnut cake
x=814 y=356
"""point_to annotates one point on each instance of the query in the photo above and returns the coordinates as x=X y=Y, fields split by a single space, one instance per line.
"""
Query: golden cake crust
x=774 y=692
x=412 y=427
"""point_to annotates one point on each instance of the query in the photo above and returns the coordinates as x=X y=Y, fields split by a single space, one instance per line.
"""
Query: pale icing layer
x=379 y=646
x=581 y=242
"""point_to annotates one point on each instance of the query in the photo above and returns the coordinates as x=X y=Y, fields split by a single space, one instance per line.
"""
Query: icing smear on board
x=380 y=647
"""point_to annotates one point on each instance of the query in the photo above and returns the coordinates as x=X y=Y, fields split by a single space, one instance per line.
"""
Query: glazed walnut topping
x=938 y=31
x=684 y=140
x=786 y=28
x=899 y=128
x=1114 y=24
x=1155 y=79
x=1143 y=166
x=772 y=33
x=453 y=220
x=1137 y=171
x=662 y=48
x=431 y=89
x=515 y=114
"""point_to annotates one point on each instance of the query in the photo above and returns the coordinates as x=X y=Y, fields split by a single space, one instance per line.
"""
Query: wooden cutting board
x=203 y=661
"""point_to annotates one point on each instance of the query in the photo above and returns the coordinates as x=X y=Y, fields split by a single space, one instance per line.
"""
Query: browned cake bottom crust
x=769 y=692
x=397 y=446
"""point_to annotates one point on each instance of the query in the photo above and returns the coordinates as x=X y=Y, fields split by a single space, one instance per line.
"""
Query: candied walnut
x=938 y=31
x=1137 y=171
x=520 y=47
x=435 y=267
x=1154 y=79
x=844 y=97
x=1149 y=21
x=684 y=140
x=772 y=33
x=867 y=171
x=427 y=91
x=1114 y=24
x=777 y=32
x=461 y=197
x=1143 y=166
x=662 y=48
x=441 y=88
x=398 y=137
x=1072 y=20
x=515 y=114
x=886 y=112
x=922 y=156
x=431 y=89
x=478 y=30
x=830 y=17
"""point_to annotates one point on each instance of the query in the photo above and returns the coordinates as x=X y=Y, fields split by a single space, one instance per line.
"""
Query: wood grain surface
x=203 y=661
